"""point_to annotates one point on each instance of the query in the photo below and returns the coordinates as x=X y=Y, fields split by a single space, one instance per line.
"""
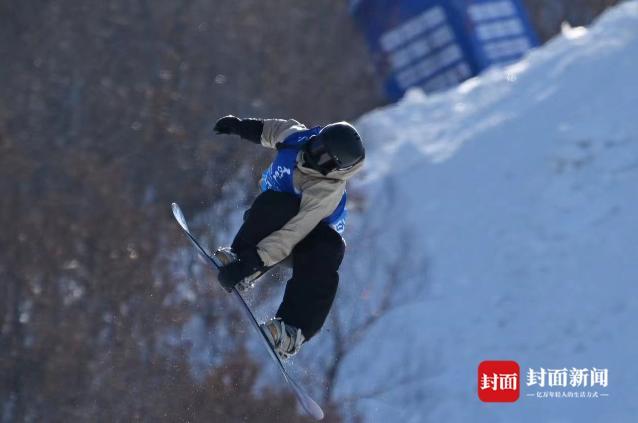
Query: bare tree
x=106 y=111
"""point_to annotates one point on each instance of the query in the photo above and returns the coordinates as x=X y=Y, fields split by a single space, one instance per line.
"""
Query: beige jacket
x=320 y=195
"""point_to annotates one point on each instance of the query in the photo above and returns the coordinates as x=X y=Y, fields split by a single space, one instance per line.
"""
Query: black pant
x=316 y=260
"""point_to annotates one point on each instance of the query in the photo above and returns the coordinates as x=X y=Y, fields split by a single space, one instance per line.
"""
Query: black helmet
x=337 y=147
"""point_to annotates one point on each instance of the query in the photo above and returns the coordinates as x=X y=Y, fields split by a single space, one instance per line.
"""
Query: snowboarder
x=301 y=213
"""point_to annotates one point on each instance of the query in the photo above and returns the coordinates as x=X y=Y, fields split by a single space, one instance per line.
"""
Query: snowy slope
x=521 y=187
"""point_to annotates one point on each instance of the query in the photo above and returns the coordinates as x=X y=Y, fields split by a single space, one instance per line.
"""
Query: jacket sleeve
x=276 y=130
x=318 y=201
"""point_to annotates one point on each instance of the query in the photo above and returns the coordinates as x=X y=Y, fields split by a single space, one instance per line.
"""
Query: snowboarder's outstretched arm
x=267 y=132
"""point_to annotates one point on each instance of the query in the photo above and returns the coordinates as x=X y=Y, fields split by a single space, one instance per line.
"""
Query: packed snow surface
x=520 y=188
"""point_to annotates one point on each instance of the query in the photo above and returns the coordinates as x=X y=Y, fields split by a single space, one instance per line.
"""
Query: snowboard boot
x=285 y=339
x=226 y=256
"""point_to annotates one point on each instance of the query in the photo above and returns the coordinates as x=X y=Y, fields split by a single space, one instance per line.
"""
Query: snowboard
x=306 y=402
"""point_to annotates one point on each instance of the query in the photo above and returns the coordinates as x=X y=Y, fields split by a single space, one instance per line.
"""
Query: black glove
x=248 y=263
x=248 y=129
x=228 y=125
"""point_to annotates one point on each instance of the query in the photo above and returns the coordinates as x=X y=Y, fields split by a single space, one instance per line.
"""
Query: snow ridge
x=520 y=186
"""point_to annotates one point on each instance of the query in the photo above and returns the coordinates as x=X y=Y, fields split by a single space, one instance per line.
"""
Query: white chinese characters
x=499 y=381
x=564 y=377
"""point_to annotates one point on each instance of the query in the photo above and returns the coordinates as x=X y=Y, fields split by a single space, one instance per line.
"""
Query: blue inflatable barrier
x=435 y=44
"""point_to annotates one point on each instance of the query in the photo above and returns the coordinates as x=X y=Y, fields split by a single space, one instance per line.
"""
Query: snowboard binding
x=285 y=339
x=226 y=256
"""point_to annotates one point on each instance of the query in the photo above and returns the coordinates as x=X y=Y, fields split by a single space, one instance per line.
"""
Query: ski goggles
x=320 y=158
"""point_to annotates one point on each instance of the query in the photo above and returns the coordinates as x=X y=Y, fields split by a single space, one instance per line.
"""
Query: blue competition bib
x=278 y=176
